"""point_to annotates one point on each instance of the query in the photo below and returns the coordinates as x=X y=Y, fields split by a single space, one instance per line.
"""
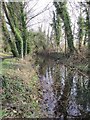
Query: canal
x=65 y=92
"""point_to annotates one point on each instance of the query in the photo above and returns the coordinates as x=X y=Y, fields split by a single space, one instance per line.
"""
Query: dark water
x=66 y=93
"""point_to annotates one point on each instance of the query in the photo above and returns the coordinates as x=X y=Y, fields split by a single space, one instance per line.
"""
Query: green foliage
x=7 y=64
x=37 y=41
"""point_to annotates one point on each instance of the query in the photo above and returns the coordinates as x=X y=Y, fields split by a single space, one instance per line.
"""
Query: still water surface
x=66 y=92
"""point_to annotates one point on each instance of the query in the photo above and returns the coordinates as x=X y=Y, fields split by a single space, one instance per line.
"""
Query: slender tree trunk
x=80 y=43
x=65 y=44
x=7 y=36
x=24 y=32
x=69 y=35
x=84 y=42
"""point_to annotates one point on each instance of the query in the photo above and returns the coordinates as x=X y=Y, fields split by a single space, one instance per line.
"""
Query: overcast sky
x=46 y=17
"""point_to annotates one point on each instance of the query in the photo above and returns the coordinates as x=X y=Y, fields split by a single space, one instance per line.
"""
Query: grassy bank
x=20 y=94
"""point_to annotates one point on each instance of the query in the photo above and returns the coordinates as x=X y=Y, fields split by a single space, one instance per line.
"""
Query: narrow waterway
x=66 y=93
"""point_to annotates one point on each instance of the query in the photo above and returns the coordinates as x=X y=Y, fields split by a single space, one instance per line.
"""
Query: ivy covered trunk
x=57 y=28
x=62 y=11
x=17 y=22
x=24 y=31
x=7 y=38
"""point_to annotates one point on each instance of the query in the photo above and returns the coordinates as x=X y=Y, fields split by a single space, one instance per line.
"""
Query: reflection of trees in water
x=82 y=95
x=45 y=72
x=79 y=101
x=81 y=92
x=57 y=89
x=63 y=82
x=89 y=70
x=69 y=91
x=88 y=87
x=88 y=19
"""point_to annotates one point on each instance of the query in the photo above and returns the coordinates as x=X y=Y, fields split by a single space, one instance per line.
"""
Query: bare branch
x=35 y=24
x=44 y=10
x=32 y=7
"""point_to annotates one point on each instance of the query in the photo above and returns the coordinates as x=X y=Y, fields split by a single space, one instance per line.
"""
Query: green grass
x=2 y=113
x=8 y=64
x=4 y=55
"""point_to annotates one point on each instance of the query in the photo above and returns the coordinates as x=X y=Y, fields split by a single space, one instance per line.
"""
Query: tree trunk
x=24 y=32
x=62 y=11
x=15 y=32
x=7 y=36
